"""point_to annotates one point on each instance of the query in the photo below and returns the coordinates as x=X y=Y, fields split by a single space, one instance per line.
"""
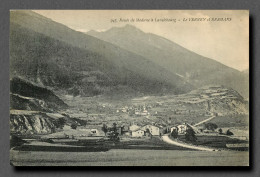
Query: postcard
x=129 y=87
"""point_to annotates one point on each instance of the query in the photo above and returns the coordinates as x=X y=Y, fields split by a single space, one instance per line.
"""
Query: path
x=166 y=139
x=204 y=121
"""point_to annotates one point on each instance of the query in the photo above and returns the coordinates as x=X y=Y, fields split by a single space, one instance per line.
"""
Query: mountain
x=218 y=99
x=227 y=106
x=36 y=110
x=194 y=68
x=231 y=108
x=32 y=108
x=51 y=54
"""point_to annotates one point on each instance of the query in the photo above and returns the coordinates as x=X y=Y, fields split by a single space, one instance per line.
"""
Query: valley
x=195 y=108
x=105 y=96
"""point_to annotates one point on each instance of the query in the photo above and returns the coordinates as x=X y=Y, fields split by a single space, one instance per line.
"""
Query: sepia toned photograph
x=129 y=87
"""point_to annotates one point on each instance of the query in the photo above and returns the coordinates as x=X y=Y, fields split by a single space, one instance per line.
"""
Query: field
x=88 y=145
x=215 y=141
x=127 y=152
x=152 y=144
x=130 y=157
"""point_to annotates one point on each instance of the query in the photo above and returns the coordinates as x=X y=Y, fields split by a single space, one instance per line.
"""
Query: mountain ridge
x=129 y=26
x=197 y=69
x=128 y=68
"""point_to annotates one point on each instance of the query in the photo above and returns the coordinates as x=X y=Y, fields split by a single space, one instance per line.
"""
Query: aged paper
x=129 y=87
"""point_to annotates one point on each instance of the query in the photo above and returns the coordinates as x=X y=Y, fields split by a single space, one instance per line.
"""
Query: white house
x=154 y=130
x=144 y=113
x=138 y=133
x=141 y=113
x=173 y=128
x=183 y=127
x=94 y=132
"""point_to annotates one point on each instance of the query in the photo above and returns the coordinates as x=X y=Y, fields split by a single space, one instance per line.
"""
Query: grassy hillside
x=55 y=55
x=27 y=96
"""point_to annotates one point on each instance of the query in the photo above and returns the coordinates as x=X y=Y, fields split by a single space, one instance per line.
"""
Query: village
x=143 y=132
x=188 y=118
x=148 y=121
x=137 y=130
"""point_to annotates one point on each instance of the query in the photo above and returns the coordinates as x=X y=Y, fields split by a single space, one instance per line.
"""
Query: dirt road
x=204 y=121
x=166 y=139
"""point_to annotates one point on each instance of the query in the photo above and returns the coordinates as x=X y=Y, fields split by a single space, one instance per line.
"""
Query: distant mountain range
x=193 y=68
x=120 y=60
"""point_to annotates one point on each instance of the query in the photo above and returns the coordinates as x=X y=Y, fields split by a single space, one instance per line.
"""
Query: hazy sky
x=224 y=41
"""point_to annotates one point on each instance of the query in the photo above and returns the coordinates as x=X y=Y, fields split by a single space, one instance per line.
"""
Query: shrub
x=74 y=126
x=229 y=133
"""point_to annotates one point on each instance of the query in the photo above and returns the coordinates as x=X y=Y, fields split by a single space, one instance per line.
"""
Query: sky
x=224 y=41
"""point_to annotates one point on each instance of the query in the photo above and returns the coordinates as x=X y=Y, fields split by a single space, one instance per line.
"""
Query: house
x=183 y=127
x=138 y=133
x=154 y=130
x=173 y=128
x=144 y=113
x=124 y=110
x=94 y=132
x=141 y=111
x=120 y=129
x=137 y=112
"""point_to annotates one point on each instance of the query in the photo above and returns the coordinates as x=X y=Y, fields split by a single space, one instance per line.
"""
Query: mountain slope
x=36 y=110
x=55 y=55
x=196 y=69
x=27 y=96
x=31 y=107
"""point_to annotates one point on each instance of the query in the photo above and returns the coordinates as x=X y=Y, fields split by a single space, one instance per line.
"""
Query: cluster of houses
x=146 y=110
x=138 y=111
x=146 y=130
x=137 y=130
x=132 y=130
